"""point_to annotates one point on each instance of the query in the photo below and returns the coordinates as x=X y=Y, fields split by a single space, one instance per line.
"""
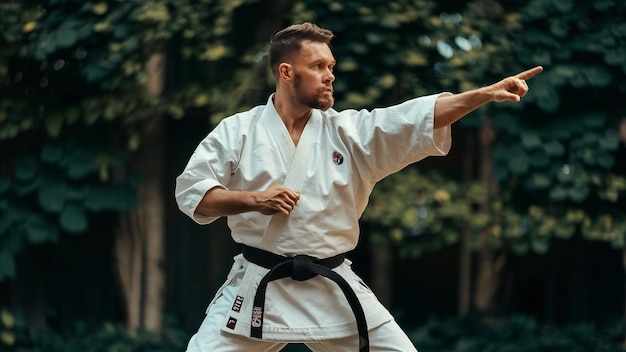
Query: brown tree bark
x=152 y=202
x=487 y=275
x=382 y=267
x=129 y=245
x=140 y=240
x=624 y=263
x=465 y=255
x=622 y=138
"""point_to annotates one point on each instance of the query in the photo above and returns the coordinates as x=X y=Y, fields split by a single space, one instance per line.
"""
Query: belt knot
x=302 y=267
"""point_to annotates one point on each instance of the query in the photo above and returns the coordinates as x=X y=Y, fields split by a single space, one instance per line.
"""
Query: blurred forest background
x=513 y=242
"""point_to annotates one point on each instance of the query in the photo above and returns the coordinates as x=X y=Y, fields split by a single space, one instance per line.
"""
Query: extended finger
x=528 y=74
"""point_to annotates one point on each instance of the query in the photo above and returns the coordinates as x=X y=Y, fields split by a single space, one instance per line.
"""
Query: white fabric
x=252 y=150
x=387 y=337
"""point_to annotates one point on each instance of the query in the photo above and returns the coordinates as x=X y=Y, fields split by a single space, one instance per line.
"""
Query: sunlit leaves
x=560 y=160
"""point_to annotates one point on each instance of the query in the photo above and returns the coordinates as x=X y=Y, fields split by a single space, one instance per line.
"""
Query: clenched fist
x=276 y=199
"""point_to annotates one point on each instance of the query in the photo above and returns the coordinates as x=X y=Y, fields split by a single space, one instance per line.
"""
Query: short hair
x=287 y=42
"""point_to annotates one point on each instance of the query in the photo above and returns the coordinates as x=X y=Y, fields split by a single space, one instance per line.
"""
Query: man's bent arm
x=219 y=201
x=450 y=108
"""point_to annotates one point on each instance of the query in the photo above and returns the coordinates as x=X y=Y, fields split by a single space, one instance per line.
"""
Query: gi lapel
x=295 y=175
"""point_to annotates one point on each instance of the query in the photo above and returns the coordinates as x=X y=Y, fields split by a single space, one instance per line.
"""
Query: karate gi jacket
x=338 y=160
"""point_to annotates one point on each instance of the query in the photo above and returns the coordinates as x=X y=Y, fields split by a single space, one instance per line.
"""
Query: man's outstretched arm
x=450 y=108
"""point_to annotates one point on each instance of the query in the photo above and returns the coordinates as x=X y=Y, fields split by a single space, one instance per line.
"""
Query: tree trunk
x=152 y=204
x=622 y=138
x=465 y=255
x=141 y=237
x=624 y=264
x=487 y=279
x=129 y=245
x=382 y=267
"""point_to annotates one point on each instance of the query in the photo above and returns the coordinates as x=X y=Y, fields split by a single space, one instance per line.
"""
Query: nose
x=330 y=77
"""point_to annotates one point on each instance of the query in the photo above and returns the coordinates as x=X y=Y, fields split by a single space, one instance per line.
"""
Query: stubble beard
x=322 y=99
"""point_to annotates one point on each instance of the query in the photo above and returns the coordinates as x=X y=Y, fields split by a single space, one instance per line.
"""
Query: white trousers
x=387 y=337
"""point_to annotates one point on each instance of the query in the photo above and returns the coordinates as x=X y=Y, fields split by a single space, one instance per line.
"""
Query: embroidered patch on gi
x=237 y=304
x=257 y=313
x=337 y=158
x=231 y=323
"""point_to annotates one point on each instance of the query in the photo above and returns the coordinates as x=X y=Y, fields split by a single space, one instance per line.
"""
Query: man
x=293 y=177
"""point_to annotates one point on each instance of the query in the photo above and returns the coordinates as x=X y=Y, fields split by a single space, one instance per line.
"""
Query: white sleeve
x=389 y=139
x=210 y=166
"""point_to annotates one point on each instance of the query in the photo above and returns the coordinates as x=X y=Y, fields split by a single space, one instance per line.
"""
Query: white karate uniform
x=338 y=160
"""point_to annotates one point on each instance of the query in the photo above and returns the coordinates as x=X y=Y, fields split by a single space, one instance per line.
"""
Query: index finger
x=528 y=74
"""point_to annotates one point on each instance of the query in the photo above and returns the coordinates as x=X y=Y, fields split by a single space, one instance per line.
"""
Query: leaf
x=116 y=198
x=606 y=161
x=74 y=219
x=540 y=246
x=564 y=230
x=519 y=247
x=554 y=149
x=7 y=265
x=519 y=165
x=5 y=184
x=94 y=72
x=100 y=8
x=559 y=28
x=79 y=163
x=7 y=319
x=539 y=181
x=51 y=153
x=598 y=76
x=65 y=38
x=565 y=6
x=530 y=140
x=54 y=124
x=579 y=194
x=615 y=56
x=37 y=229
x=610 y=141
x=558 y=194
x=52 y=196
x=26 y=167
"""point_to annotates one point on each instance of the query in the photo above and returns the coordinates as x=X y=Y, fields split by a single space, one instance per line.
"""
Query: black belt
x=301 y=268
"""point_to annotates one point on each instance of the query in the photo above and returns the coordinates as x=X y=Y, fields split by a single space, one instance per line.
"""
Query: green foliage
x=559 y=159
x=73 y=110
x=555 y=155
x=515 y=334
x=54 y=188
x=420 y=213
x=16 y=335
x=7 y=328
x=73 y=69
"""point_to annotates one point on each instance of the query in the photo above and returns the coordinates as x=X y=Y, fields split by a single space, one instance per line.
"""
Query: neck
x=293 y=114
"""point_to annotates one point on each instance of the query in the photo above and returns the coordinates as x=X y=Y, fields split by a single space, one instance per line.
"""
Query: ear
x=285 y=71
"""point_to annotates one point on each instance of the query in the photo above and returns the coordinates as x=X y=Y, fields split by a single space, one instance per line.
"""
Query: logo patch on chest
x=337 y=158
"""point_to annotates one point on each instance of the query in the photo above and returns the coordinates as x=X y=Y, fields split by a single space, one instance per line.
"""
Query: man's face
x=313 y=75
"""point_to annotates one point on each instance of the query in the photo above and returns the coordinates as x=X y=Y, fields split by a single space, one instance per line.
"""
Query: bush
x=83 y=337
x=515 y=334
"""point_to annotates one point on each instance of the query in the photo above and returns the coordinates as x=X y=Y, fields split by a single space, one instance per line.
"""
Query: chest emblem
x=337 y=158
